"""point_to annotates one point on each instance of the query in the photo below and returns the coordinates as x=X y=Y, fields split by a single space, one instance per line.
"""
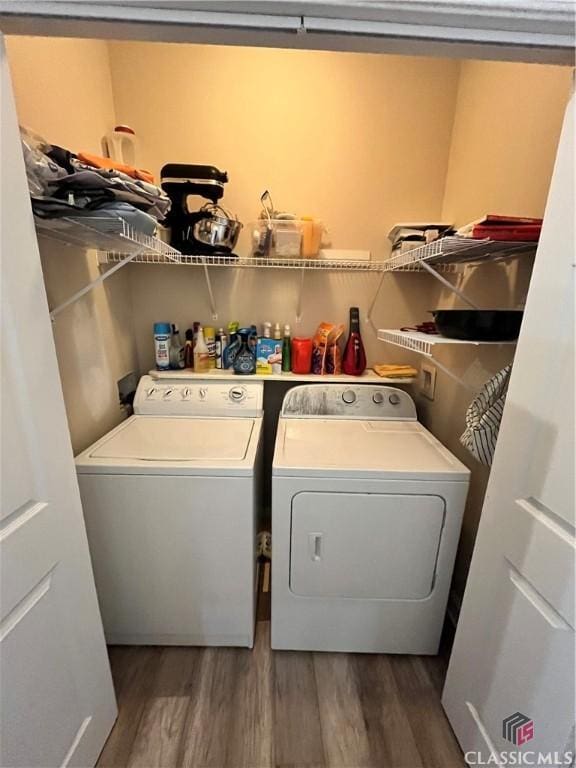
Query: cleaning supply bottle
x=162 y=346
x=176 y=349
x=253 y=337
x=210 y=339
x=286 y=350
x=189 y=349
x=233 y=345
x=201 y=354
x=245 y=360
x=221 y=343
x=277 y=331
x=354 y=359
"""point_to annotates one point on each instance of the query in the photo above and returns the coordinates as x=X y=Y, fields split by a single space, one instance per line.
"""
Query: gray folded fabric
x=483 y=418
x=109 y=185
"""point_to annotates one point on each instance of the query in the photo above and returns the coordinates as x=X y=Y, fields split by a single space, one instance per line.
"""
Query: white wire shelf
x=113 y=236
x=368 y=377
x=253 y=262
x=115 y=239
x=451 y=251
x=424 y=342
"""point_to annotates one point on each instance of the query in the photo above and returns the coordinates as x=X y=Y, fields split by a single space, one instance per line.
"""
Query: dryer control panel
x=181 y=397
x=349 y=401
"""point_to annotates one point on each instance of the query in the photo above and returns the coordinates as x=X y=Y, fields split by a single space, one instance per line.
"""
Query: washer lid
x=148 y=443
x=402 y=449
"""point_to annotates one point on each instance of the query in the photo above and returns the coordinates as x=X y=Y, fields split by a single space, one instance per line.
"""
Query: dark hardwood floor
x=235 y=708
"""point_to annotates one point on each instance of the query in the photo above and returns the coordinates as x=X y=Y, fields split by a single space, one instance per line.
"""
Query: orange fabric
x=105 y=162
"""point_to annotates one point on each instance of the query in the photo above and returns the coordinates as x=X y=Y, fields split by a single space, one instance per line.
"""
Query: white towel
x=483 y=418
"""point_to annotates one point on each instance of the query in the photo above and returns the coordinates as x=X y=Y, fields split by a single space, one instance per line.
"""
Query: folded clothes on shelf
x=104 y=185
x=96 y=161
x=61 y=184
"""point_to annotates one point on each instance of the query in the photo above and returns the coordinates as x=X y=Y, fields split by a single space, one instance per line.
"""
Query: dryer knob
x=394 y=399
x=349 y=396
x=378 y=398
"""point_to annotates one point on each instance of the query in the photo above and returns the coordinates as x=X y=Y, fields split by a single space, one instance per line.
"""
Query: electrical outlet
x=427 y=380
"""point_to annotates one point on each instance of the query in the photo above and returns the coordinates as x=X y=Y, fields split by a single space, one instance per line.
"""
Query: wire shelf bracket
x=115 y=240
x=447 y=284
x=299 y=303
x=90 y=286
x=211 y=299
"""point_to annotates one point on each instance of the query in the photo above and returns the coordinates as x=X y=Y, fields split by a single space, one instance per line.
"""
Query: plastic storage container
x=286 y=238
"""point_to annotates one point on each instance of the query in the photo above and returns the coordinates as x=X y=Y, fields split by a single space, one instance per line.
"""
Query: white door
x=510 y=684
x=57 y=700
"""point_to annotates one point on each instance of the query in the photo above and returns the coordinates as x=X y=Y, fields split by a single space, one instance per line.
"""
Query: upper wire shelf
x=254 y=262
x=454 y=250
x=115 y=239
x=111 y=235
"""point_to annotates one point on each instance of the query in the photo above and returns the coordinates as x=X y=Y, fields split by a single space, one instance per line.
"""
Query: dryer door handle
x=315 y=546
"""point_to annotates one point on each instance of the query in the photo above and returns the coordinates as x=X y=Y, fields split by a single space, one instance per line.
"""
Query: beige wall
x=360 y=141
x=63 y=91
x=506 y=129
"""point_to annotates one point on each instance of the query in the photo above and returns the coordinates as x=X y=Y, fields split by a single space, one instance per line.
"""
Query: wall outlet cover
x=427 y=380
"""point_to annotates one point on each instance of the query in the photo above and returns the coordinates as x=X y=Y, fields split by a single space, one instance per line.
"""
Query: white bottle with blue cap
x=162 y=333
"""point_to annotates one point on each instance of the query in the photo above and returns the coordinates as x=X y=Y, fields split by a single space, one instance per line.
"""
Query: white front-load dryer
x=366 y=513
x=170 y=499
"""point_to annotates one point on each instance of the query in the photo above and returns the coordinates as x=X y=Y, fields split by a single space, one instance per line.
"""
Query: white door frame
x=540 y=31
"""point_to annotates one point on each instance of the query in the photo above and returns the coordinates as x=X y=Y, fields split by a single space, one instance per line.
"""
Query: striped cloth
x=483 y=418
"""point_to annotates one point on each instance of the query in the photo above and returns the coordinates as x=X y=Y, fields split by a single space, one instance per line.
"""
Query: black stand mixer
x=210 y=230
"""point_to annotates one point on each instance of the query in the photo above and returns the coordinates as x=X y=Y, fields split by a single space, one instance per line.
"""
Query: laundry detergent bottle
x=245 y=360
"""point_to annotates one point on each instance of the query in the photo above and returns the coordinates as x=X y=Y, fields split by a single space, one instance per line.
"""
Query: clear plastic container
x=286 y=238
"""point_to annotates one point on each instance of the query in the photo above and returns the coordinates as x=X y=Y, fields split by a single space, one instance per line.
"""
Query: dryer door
x=365 y=545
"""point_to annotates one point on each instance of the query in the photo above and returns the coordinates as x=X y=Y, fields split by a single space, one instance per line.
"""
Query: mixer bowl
x=218 y=230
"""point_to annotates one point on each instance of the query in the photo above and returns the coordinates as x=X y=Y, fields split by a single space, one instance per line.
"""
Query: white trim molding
x=532 y=30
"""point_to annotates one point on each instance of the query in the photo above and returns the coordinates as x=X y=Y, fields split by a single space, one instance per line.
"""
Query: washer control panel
x=178 y=397
x=356 y=401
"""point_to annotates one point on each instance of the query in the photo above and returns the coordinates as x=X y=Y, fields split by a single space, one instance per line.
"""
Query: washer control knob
x=237 y=394
x=150 y=392
x=349 y=396
x=394 y=399
x=378 y=398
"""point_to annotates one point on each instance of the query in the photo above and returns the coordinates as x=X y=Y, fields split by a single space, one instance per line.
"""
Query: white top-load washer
x=170 y=499
x=366 y=513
